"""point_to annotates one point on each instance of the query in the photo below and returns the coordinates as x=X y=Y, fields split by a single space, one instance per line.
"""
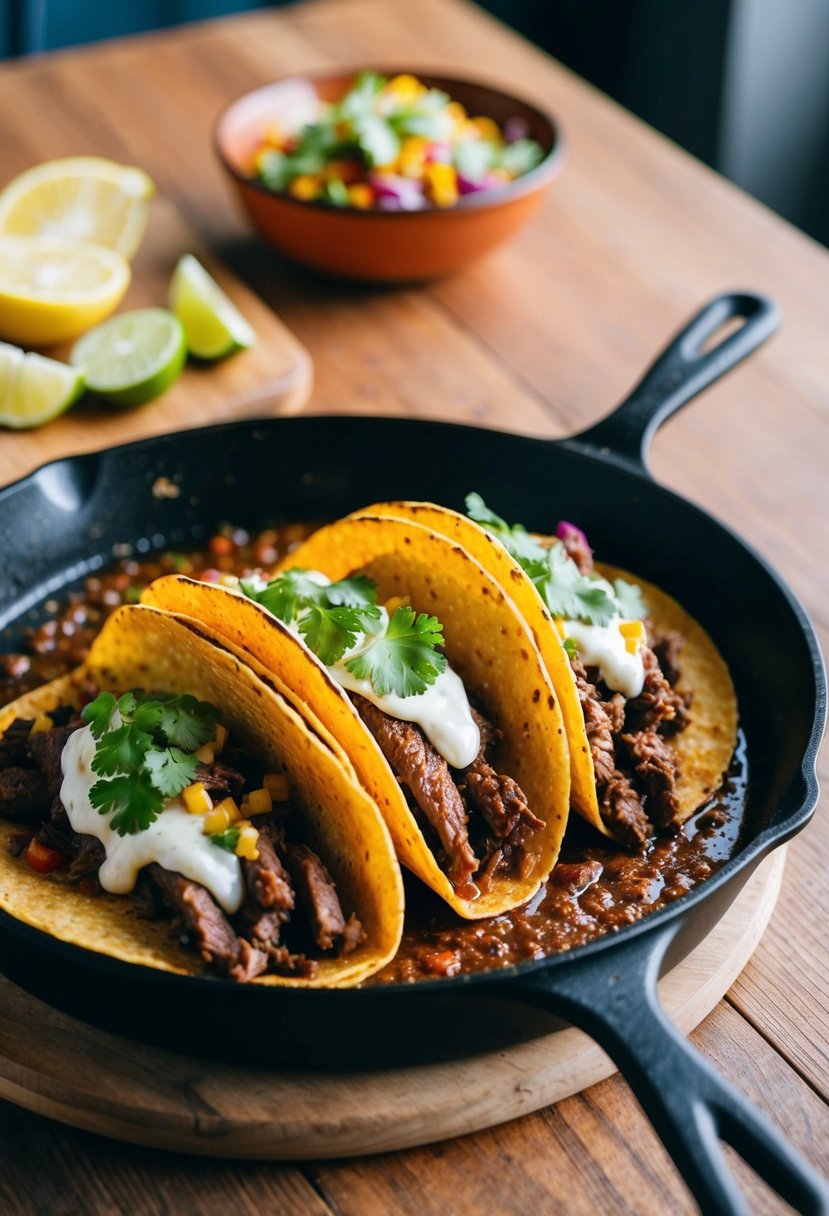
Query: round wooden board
x=62 y=1068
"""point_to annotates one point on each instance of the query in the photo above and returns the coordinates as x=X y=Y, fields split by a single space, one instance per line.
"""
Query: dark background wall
x=743 y=84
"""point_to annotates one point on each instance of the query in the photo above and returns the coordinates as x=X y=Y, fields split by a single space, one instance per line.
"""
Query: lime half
x=212 y=322
x=132 y=358
x=33 y=389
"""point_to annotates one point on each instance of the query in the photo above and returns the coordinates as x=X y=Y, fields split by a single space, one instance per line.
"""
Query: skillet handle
x=613 y=997
x=679 y=373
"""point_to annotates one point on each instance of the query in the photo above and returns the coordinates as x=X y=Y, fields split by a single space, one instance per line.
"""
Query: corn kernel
x=196 y=799
x=412 y=156
x=306 y=187
x=634 y=634
x=259 y=802
x=405 y=88
x=361 y=195
x=221 y=737
x=205 y=754
x=278 y=786
x=246 y=844
x=216 y=820
x=228 y=805
x=41 y=723
x=456 y=112
x=441 y=184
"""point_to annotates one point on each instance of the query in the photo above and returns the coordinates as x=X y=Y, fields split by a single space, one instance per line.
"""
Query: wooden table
x=543 y=338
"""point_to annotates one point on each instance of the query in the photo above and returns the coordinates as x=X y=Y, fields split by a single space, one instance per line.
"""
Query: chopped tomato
x=442 y=962
x=43 y=859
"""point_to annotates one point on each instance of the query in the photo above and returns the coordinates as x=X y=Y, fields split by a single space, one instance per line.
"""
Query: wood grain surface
x=57 y=1066
x=273 y=377
x=543 y=337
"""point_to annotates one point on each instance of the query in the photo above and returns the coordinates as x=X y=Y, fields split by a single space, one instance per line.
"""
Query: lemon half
x=53 y=288
x=82 y=198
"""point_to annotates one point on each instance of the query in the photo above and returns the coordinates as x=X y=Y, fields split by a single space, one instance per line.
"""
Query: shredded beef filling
x=636 y=770
x=451 y=803
x=283 y=877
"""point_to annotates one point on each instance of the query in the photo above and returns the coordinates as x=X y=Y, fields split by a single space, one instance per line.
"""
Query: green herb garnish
x=332 y=618
x=564 y=589
x=404 y=659
x=571 y=647
x=226 y=840
x=148 y=756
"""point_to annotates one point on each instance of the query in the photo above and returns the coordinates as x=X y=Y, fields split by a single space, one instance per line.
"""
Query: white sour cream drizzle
x=442 y=711
x=604 y=647
x=175 y=839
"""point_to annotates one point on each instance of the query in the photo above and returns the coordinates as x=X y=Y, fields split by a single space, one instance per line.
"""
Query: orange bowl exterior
x=395 y=246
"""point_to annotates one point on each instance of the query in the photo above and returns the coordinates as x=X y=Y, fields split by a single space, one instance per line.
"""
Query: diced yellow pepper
x=456 y=112
x=441 y=184
x=412 y=156
x=196 y=799
x=216 y=820
x=246 y=844
x=395 y=602
x=306 y=187
x=485 y=128
x=634 y=634
x=206 y=754
x=273 y=135
x=41 y=723
x=278 y=786
x=361 y=195
x=230 y=807
x=259 y=802
x=221 y=737
x=405 y=88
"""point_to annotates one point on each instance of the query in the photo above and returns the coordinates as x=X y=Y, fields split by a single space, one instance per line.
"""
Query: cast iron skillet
x=69 y=517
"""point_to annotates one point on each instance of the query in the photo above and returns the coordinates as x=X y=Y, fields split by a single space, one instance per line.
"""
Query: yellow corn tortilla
x=707 y=744
x=487 y=642
x=141 y=647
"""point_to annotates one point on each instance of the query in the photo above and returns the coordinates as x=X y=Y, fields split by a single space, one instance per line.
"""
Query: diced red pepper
x=43 y=859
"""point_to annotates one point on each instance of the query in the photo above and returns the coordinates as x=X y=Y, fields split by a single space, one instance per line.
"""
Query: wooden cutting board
x=62 y=1068
x=273 y=377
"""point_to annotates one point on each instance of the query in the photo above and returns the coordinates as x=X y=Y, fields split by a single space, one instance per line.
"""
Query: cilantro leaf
x=187 y=723
x=352 y=591
x=629 y=598
x=98 y=713
x=131 y=797
x=404 y=660
x=170 y=770
x=569 y=593
x=286 y=594
x=226 y=840
x=330 y=632
x=516 y=540
x=121 y=750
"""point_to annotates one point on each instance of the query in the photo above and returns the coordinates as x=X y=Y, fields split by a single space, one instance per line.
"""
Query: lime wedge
x=132 y=358
x=33 y=389
x=212 y=322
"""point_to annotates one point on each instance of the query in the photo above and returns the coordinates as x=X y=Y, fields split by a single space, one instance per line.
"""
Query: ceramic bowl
x=374 y=245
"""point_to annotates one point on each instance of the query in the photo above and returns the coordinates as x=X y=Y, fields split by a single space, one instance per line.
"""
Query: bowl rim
x=527 y=183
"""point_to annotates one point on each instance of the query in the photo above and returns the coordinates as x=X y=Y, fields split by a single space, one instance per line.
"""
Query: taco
x=450 y=720
x=162 y=781
x=646 y=697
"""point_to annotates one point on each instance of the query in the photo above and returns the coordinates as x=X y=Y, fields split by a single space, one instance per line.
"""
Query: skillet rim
x=767 y=839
